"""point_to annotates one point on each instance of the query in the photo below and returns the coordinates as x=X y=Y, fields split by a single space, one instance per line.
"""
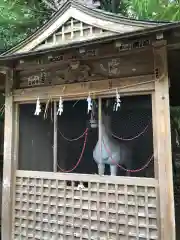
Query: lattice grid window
x=73 y=29
x=50 y=208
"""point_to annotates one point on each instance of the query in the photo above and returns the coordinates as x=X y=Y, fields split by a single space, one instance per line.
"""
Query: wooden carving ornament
x=76 y=72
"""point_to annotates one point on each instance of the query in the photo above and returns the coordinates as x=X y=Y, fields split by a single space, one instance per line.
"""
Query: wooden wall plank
x=65 y=72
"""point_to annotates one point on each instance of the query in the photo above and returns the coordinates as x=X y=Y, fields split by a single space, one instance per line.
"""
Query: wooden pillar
x=55 y=138
x=162 y=143
x=100 y=167
x=8 y=165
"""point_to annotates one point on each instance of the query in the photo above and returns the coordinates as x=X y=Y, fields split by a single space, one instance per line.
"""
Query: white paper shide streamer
x=60 y=107
x=117 y=104
x=38 y=107
x=89 y=101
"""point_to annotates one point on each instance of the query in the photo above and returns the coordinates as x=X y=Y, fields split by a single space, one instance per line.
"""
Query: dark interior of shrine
x=132 y=120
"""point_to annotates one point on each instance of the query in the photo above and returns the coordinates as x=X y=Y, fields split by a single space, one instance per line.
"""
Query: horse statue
x=113 y=151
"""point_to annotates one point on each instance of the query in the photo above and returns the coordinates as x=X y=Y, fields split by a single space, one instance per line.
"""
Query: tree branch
x=50 y=5
x=57 y=4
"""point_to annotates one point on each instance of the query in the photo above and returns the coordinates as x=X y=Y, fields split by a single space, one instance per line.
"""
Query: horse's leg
x=101 y=168
x=113 y=169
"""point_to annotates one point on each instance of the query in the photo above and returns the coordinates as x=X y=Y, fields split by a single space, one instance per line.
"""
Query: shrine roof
x=76 y=23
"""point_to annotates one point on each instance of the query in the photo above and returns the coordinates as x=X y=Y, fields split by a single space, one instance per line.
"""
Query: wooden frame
x=157 y=86
x=131 y=85
x=162 y=146
x=9 y=161
x=55 y=139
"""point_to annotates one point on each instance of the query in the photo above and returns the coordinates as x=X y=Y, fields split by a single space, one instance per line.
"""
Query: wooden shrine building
x=80 y=52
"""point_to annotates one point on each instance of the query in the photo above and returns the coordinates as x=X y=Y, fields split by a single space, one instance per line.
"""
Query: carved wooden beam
x=126 y=86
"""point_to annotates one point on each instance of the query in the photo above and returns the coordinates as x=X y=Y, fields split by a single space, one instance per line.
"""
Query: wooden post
x=55 y=139
x=9 y=163
x=162 y=143
x=101 y=168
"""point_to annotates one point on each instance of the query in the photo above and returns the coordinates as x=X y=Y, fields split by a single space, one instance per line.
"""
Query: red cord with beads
x=80 y=158
x=125 y=169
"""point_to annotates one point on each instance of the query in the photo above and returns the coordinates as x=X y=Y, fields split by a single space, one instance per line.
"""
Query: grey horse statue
x=113 y=151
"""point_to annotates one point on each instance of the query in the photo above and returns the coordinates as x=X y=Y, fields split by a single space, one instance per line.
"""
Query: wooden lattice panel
x=73 y=30
x=57 y=206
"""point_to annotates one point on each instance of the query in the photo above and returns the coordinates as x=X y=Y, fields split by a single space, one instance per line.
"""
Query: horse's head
x=105 y=117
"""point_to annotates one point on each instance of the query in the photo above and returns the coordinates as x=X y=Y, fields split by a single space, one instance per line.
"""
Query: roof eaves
x=95 y=41
x=115 y=17
x=118 y=18
x=131 y=20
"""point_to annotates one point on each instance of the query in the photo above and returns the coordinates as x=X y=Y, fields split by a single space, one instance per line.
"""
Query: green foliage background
x=18 y=18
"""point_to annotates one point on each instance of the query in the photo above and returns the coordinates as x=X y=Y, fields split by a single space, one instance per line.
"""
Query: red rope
x=109 y=152
x=132 y=138
x=80 y=158
x=125 y=169
x=72 y=139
